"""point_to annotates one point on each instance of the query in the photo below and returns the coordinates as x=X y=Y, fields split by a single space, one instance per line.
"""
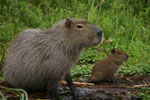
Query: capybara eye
x=79 y=26
x=119 y=53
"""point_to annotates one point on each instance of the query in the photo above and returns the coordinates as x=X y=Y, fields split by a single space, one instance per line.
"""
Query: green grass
x=145 y=93
x=19 y=92
x=127 y=23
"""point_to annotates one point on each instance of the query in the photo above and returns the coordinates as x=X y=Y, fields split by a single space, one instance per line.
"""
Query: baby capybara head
x=81 y=32
x=119 y=55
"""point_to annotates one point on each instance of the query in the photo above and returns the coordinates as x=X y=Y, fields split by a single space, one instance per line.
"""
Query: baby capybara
x=107 y=69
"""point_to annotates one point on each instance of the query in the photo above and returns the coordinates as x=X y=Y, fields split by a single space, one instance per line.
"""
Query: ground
x=127 y=88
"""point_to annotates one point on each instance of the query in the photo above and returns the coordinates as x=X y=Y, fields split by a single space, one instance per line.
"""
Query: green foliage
x=80 y=72
x=141 y=68
x=90 y=55
x=2 y=97
x=19 y=92
x=145 y=93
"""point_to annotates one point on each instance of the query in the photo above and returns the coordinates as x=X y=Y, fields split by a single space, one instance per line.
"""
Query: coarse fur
x=107 y=69
x=38 y=59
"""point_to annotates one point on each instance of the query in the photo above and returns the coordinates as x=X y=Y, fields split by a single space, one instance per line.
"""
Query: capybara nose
x=100 y=33
x=127 y=57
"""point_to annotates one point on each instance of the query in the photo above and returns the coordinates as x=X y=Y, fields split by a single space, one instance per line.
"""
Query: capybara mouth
x=127 y=57
x=102 y=39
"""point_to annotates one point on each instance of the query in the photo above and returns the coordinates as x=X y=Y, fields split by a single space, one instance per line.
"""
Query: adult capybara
x=38 y=59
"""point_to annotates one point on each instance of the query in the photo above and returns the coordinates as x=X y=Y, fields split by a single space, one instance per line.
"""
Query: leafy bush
x=81 y=72
x=90 y=55
x=141 y=68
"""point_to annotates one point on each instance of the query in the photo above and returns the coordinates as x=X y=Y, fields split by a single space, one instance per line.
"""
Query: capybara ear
x=113 y=50
x=68 y=23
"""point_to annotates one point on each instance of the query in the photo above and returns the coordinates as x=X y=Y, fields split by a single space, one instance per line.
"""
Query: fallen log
x=92 y=85
x=79 y=84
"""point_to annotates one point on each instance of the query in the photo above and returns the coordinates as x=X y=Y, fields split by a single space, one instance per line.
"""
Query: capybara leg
x=52 y=89
x=71 y=86
x=114 y=80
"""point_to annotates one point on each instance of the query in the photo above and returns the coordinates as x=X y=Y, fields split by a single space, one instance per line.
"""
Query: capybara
x=107 y=69
x=38 y=59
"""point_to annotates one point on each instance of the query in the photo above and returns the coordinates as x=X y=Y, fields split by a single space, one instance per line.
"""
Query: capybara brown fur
x=38 y=59
x=107 y=69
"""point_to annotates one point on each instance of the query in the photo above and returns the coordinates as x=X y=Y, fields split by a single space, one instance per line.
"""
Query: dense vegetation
x=126 y=25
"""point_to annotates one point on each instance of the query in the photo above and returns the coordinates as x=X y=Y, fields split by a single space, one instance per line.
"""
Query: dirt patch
x=126 y=89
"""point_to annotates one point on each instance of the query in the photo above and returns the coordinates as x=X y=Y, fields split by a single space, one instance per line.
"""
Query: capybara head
x=119 y=55
x=81 y=32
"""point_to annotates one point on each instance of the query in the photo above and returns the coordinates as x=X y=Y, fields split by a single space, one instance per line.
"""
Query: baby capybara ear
x=68 y=23
x=113 y=50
